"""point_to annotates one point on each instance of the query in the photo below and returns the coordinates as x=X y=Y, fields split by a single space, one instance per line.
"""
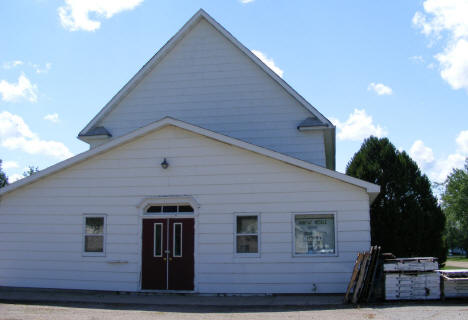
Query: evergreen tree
x=405 y=218
x=3 y=177
x=455 y=205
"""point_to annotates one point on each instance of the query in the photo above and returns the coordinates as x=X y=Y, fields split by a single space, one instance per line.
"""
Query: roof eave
x=369 y=187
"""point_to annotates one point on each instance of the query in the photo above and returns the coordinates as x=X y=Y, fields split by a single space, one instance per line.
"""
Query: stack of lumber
x=454 y=283
x=411 y=279
x=362 y=281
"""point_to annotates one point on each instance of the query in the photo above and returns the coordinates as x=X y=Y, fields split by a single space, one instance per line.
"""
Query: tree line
x=4 y=178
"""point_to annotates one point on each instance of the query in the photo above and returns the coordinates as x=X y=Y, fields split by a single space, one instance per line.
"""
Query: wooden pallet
x=362 y=279
x=455 y=283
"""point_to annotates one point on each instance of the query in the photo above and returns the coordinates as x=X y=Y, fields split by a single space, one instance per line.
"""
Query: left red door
x=154 y=260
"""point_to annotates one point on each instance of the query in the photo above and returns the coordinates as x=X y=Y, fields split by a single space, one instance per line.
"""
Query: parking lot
x=452 y=310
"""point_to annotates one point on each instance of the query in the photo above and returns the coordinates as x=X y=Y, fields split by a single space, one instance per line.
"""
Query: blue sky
x=395 y=68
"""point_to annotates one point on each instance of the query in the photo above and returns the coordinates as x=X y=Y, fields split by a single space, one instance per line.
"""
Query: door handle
x=164 y=259
x=170 y=259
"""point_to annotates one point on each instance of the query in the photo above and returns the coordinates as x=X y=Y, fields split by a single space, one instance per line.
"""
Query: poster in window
x=314 y=234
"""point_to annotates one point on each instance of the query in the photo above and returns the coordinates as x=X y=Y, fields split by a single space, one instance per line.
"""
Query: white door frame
x=144 y=204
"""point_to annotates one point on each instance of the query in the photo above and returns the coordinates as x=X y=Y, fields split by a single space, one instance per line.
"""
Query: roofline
x=201 y=14
x=371 y=188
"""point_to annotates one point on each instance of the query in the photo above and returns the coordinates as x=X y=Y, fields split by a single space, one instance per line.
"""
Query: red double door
x=168 y=254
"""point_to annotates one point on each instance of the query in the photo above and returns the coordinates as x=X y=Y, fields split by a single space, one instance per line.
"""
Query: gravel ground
x=398 y=311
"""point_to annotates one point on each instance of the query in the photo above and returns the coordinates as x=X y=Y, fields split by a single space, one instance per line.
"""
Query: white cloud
x=380 y=89
x=15 y=134
x=23 y=89
x=438 y=169
x=246 y=1
x=417 y=59
x=421 y=154
x=74 y=14
x=462 y=142
x=12 y=64
x=43 y=69
x=269 y=62
x=443 y=167
x=53 y=117
x=10 y=165
x=358 y=126
x=448 y=18
x=454 y=64
x=15 y=177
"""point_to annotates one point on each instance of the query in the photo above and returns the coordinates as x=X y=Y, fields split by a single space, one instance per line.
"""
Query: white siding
x=206 y=81
x=41 y=224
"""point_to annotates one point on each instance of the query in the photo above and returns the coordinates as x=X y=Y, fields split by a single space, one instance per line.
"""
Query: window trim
x=313 y=213
x=154 y=240
x=258 y=234
x=104 y=235
x=174 y=238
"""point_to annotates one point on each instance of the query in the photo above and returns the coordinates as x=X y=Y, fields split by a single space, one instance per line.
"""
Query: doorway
x=168 y=254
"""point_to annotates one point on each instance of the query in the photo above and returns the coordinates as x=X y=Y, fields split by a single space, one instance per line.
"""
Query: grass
x=451 y=268
x=457 y=258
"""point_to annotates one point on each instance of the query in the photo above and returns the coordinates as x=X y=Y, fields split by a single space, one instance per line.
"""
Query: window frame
x=314 y=213
x=258 y=234
x=84 y=253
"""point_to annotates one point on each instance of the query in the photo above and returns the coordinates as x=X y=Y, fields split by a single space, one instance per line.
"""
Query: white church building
x=206 y=173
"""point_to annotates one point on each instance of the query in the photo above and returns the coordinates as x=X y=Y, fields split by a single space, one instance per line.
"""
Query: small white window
x=314 y=234
x=247 y=242
x=94 y=235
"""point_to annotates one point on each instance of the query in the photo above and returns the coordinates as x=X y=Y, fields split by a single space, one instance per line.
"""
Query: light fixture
x=165 y=164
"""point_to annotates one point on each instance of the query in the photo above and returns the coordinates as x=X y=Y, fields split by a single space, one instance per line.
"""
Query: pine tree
x=405 y=218
x=3 y=177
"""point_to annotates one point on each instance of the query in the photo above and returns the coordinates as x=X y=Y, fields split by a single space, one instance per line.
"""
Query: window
x=177 y=241
x=94 y=235
x=314 y=234
x=247 y=234
x=158 y=240
x=171 y=209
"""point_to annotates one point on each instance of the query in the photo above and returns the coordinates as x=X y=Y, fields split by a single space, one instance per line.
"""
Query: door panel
x=168 y=254
x=154 y=264
x=181 y=244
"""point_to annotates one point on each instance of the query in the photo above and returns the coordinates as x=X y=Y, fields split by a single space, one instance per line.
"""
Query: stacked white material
x=422 y=264
x=412 y=279
x=455 y=283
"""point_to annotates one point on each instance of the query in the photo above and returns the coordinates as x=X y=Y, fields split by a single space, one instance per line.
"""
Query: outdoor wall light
x=165 y=164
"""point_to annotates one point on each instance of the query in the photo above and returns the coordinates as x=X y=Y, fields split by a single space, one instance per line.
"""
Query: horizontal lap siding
x=208 y=82
x=41 y=224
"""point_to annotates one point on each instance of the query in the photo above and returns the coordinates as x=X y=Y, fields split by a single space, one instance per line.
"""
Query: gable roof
x=371 y=188
x=201 y=14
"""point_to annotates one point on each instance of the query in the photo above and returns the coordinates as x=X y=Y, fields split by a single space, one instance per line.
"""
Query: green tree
x=455 y=206
x=3 y=177
x=31 y=170
x=405 y=218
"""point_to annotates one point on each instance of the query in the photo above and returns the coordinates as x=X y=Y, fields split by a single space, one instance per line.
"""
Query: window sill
x=317 y=255
x=247 y=255
x=93 y=254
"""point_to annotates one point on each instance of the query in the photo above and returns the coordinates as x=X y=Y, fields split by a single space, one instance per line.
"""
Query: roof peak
x=152 y=63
